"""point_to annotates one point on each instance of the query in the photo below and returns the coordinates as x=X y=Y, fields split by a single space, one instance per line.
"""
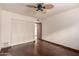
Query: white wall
x=0 y=27
x=63 y=28
x=15 y=29
x=22 y=31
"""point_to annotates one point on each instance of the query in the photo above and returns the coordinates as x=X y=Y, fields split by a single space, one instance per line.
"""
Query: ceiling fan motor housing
x=39 y=7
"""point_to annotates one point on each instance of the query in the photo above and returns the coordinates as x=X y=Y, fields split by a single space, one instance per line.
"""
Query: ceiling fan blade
x=31 y=6
x=48 y=6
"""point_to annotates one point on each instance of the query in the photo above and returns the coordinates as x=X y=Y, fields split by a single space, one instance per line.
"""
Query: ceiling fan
x=41 y=6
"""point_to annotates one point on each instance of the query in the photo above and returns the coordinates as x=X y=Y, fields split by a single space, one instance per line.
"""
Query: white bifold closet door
x=22 y=31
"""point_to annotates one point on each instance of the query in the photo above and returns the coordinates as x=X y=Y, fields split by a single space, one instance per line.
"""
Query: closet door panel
x=21 y=32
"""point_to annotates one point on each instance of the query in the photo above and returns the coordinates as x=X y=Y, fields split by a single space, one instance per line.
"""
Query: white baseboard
x=16 y=44
x=21 y=42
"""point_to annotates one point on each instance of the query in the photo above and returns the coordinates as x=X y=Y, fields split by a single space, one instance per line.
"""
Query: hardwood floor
x=43 y=49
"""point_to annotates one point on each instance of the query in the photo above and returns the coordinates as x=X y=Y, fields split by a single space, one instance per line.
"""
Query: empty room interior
x=39 y=29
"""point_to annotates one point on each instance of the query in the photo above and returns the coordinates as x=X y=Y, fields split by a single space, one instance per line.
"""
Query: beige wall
x=15 y=29
x=63 y=28
x=0 y=28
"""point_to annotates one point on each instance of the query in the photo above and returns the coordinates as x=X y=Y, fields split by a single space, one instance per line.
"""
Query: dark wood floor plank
x=43 y=49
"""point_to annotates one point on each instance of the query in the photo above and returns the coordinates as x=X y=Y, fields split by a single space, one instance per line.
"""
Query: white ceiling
x=22 y=9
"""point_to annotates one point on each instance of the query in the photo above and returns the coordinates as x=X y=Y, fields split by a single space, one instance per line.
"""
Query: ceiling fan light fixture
x=41 y=6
